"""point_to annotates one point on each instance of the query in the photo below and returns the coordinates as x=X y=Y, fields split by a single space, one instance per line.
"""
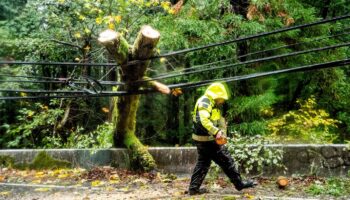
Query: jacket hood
x=216 y=91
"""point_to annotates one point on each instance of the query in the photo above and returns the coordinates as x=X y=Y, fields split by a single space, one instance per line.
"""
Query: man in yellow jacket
x=209 y=125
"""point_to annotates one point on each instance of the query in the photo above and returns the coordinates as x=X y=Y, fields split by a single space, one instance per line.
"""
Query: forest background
x=303 y=107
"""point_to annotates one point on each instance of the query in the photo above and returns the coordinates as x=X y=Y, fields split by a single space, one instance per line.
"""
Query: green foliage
x=335 y=187
x=252 y=154
x=307 y=124
x=32 y=125
x=10 y=8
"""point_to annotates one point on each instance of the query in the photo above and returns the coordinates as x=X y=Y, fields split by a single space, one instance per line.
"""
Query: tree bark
x=125 y=107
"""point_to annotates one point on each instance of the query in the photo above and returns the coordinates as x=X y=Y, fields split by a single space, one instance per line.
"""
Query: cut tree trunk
x=125 y=107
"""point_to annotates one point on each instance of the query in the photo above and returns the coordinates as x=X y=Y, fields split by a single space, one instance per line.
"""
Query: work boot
x=246 y=184
x=197 y=192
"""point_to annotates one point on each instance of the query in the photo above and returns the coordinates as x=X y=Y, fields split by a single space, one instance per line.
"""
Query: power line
x=337 y=63
x=56 y=63
x=40 y=91
x=252 y=36
x=113 y=83
x=252 y=61
x=250 y=54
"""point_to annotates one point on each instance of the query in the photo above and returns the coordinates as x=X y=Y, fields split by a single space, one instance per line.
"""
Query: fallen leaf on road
x=97 y=183
x=42 y=189
x=5 y=193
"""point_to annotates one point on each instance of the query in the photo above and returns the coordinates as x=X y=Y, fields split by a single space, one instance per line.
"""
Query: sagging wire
x=250 y=61
x=249 y=54
x=331 y=64
x=113 y=83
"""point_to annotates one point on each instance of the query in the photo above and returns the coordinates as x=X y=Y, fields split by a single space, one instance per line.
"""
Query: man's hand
x=218 y=135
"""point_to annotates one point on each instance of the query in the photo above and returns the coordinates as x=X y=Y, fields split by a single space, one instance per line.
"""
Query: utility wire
x=252 y=36
x=112 y=83
x=249 y=54
x=337 y=63
x=40 y=91
x=56 y=63
x=251 y=61
x=193 y=67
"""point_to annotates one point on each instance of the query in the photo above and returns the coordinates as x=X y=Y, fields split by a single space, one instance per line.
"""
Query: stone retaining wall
x=327 y=160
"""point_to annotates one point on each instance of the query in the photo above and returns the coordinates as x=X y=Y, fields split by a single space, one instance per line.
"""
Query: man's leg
x=226 y=162
x=201 y=168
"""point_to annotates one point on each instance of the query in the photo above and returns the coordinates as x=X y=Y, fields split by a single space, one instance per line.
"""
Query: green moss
x=45 y=161
x=122 y=50
x=7 y=161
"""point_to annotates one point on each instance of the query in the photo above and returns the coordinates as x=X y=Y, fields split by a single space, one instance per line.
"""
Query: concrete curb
x=302 y=159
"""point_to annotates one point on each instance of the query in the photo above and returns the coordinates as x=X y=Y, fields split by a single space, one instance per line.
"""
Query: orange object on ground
x=282 y=182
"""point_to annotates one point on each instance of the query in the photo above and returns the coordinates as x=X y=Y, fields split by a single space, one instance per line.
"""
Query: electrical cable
x=337 y=63
x=191 y=68
x=112 y=83
x=250 y=61
x=249 y=54
x=252 y=36
x=2 y=62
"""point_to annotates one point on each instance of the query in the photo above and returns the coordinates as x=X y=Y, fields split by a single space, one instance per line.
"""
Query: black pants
x=208 y=151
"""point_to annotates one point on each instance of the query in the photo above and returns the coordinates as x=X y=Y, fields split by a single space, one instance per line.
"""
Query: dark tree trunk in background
x=173 y=122
x=325 y=9
x=240 y=7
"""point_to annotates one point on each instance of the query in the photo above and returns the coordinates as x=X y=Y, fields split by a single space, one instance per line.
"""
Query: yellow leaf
x=97 y=183
x=77 y=35
x=87 y=31
x=82 y=17
x=2 y=178
x=118 y=19
x=111 y=26
x=5 y=193
x=98 y=20
x=62 y=176
x=87 y=48
x=36 y=181
x=23 y=94
x=39 y=175
x=61 y=1
x=42 y=189
x=109 y=188
x=165 y=5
